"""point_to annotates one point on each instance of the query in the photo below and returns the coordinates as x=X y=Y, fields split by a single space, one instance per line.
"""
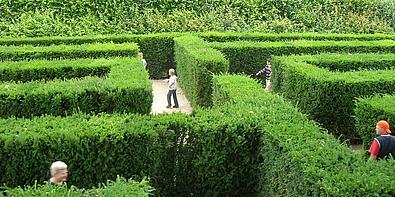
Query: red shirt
x=375 y=147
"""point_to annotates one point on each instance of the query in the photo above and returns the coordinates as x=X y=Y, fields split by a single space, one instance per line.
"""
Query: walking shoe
x=168 y=106
x=175 y=106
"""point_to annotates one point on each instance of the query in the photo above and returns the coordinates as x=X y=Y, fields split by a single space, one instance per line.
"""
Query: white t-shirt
x=173 y=83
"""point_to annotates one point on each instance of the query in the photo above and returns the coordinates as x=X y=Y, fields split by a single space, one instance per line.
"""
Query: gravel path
x=159 y=88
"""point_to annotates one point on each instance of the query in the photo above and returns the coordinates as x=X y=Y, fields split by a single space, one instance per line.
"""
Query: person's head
x=382 y=128
x=171 y=72
x=140 y=55
x=269 y=61
x=59 y=172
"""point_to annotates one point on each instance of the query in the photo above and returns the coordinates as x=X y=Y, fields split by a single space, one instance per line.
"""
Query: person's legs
x=175 y=99
x=168 y=99
x=268 y=86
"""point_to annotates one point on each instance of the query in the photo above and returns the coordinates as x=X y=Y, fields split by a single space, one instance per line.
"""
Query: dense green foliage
x=249 y=57
x=96 y=148
x=24 y=71
x=27 y=52
x=369 y=111
x=124 y=89
x=298 y=158
x=119 y=187
x=196 y=62
x=271 y=37
x=70 y=17
x=157 y=48
x=328 y=97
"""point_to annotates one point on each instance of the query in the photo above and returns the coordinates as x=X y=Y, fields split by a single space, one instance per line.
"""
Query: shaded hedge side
x=196 y=62
x=328 y=97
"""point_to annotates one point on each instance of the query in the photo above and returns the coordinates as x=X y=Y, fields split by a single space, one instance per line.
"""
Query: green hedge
x=369 y=111
x=158 y=49
x=96 y=149
x=249 y=57
x=126 y=88
x=262 y=37
x=23 y=71
x=299 y=159
x=328 y=97
x=119 y=187
x=28 y=52
x=195 y=64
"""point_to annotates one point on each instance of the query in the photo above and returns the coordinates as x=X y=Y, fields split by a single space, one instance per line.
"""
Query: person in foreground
x=59 y=173
x=382 y=146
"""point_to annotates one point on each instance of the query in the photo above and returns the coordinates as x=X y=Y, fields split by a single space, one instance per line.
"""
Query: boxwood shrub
x=328 y=97
x=28 y=52
x=263 y=37
x=298 y=157
x=369 y=111
x=125 y=88
x=249 y=57
x=25 y=71
x=158 y=49
x=96 y=148
x=195 y=65
x=119 y=187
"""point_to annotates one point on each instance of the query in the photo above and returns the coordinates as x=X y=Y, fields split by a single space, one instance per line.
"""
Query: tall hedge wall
x=249 y=57
x=298 y=157
x=196 y=62
x=125 y=88
x=270 y=37
x=158 y=49
x=328 y=97
x=27 y=52
x=45 y=70
x=96 y=148
x=369 y=111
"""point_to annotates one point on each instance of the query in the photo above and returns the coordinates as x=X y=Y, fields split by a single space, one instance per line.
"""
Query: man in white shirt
x=172 y=89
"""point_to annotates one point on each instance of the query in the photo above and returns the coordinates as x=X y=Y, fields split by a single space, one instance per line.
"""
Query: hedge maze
x=239 y=141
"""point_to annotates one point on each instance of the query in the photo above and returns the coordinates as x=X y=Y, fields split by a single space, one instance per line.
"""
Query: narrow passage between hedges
x=159 y=90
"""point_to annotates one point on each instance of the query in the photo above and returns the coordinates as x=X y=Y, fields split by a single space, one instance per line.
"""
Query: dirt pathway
x=159 y=104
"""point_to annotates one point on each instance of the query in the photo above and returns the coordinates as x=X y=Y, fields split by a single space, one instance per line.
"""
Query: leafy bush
x=67 y=17
x=24 y=71
x=328 y=97
x=119 y=187
x=16 y=53
x=298 y=158
x=158 y=49
x=126 y=88
x=195 y=64
x=260 y=37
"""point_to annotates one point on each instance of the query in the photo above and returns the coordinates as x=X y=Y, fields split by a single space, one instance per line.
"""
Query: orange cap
x=384 y=125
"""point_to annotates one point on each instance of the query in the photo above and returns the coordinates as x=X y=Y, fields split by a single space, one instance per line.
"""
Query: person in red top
x=383 y=145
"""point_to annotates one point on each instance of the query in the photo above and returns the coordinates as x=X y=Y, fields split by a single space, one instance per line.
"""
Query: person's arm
x=259 y=72
x=374 y=149
x=372 y=157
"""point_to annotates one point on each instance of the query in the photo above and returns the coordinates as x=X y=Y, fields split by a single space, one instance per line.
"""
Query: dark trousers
x=172 y=92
